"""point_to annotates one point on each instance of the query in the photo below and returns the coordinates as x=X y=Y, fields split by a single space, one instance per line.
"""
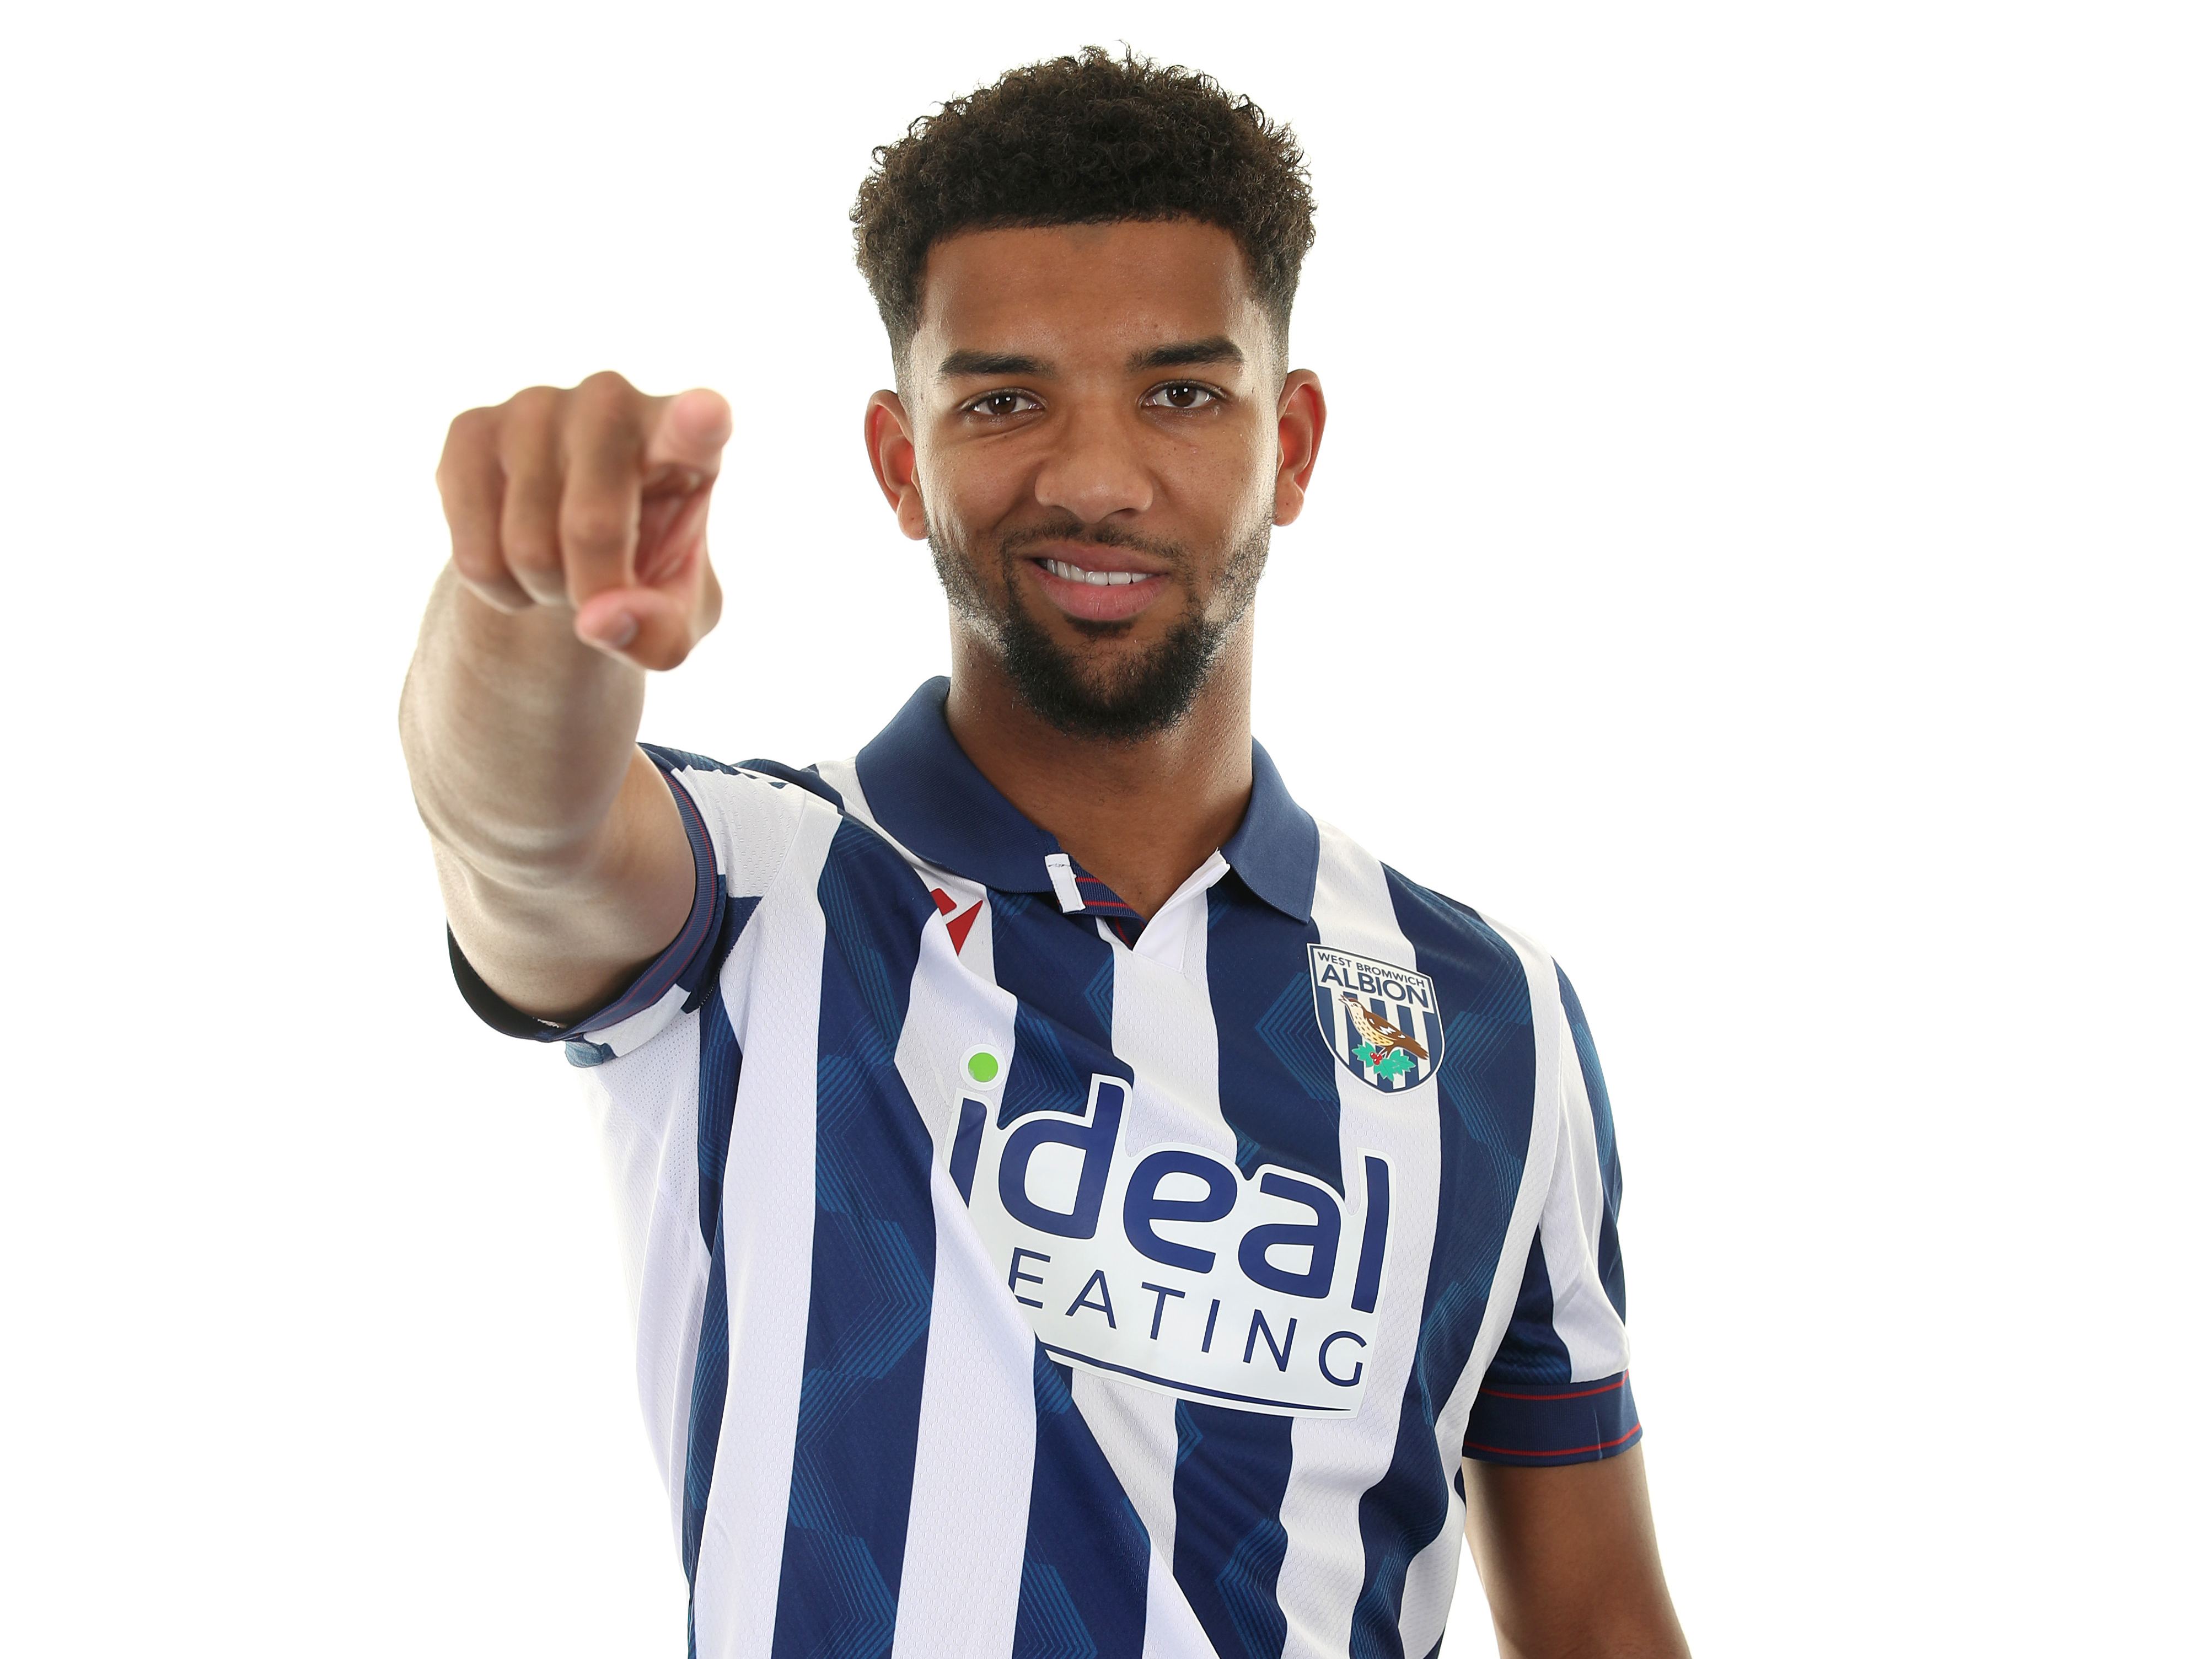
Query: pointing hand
x=593 y=499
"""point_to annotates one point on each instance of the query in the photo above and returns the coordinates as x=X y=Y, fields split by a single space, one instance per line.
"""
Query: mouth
x=1097 y=584
x=1076 y=573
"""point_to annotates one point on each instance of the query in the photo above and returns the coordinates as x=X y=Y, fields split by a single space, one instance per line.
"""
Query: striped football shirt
x=1015 y=1277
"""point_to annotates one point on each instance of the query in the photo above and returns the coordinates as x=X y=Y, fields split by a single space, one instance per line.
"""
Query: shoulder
x=1435 y=920
x=753 y=781
x=761 y=820
x=743 y=818
x=1450 y=936
x=1494 y=978
x=757 y=828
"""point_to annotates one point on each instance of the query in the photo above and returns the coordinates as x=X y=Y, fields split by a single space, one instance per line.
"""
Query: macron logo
x=959 y=925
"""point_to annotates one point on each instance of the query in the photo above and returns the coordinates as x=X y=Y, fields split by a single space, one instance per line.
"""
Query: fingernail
x=616 y=631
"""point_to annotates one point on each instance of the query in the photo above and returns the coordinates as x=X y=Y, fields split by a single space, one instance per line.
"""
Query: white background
x=1759 y=547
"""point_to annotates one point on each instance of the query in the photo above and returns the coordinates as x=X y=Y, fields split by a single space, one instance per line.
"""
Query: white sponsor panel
x=1167 y=1267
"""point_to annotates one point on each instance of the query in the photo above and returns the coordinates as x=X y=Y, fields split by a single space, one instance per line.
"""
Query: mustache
x=1072 y=529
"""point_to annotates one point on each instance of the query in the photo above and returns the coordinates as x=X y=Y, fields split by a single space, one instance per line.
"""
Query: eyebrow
x=993 y=362
x=1182 y=353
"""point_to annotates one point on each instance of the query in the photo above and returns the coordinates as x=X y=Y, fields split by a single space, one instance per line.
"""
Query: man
x=1077 y=1203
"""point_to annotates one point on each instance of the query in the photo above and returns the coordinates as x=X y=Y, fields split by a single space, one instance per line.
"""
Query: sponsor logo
x=1166 y=1267
x=1380 y=1020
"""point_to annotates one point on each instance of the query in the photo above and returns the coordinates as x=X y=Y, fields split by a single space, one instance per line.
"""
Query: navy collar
x=925 y=790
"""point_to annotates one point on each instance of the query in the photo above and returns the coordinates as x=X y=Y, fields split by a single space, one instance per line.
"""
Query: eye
x=998 y=405
x=1181 y=394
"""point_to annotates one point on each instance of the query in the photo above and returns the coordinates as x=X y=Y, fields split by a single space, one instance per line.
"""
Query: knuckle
x=523 y=435
x=525 y=415
x=468 y=441
x=605 y=387
x=603 y=415
x=594 y=529
x=468 y=428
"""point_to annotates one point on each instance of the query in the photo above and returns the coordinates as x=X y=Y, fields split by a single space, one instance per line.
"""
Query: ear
x=1300 y=414
x=891 y=453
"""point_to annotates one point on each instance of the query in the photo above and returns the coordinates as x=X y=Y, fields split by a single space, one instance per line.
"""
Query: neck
x=1141 y=815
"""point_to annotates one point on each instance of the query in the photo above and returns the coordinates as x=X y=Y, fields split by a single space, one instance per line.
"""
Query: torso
x=1011 y=1280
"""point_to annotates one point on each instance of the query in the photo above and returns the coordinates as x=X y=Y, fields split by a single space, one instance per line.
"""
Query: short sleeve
x=740 y=822
x=1558 y=1390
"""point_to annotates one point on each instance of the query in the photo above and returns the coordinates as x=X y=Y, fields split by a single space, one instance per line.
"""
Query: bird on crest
x=1379 y=1034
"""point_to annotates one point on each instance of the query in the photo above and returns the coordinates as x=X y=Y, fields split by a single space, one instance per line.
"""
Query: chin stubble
x=1138 y=697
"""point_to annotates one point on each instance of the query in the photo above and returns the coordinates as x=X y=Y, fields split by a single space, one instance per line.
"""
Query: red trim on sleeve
x=1469 y=1448
x=1579 y=1393
x=1544 y=1424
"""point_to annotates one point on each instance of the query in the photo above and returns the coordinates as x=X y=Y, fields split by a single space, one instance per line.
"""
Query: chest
x=1193 y=1168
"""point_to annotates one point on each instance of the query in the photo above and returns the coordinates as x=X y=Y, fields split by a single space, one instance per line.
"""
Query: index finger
x=684 y=439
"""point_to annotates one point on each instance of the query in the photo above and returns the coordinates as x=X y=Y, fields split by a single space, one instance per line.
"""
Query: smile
x=1076 y=573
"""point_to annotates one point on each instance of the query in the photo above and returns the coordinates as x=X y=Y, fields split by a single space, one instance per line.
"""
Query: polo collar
x=922 y=788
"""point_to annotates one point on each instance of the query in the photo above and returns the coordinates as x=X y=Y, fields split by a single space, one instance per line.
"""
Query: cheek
x=969 y=490
x=1235 y=482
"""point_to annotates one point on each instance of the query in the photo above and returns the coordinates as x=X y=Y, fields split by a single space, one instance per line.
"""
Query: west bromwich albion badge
x=1379 y=1019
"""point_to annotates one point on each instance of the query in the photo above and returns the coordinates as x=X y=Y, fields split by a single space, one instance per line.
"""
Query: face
x=1096 y=439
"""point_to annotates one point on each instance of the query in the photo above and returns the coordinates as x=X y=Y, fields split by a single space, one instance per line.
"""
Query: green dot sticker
x=983 y=1066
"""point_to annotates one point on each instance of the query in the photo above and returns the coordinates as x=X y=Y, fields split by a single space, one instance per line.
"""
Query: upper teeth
x=1076 y=573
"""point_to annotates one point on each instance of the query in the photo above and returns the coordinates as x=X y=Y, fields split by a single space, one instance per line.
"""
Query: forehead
x=1112 y=287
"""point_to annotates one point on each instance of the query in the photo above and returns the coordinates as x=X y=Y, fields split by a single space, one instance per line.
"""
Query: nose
x=1096 y=469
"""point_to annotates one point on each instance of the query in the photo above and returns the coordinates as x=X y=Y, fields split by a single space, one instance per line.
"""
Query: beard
x=1133 y=696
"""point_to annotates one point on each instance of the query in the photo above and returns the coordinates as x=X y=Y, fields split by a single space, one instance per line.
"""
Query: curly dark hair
x=1085 y=140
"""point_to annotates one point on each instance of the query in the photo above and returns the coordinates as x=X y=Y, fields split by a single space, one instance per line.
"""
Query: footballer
x=1076 y=1202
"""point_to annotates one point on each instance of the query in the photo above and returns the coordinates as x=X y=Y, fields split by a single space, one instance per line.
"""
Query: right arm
x=578 y=563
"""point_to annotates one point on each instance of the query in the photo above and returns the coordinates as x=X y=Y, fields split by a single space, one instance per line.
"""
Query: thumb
x=648 y=627
x=673 y=599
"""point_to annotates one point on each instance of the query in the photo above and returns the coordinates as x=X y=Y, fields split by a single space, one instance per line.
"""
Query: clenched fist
x=593 y=499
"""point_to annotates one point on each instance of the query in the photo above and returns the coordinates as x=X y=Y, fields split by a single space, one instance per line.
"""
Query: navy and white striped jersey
x=1015 y=1278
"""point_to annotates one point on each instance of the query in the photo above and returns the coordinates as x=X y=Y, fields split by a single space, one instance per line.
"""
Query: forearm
x=1570 y=1561
x=560 y=855
x=518 y=738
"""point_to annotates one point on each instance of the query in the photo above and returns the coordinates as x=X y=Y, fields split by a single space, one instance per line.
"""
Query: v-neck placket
x=1166 y=937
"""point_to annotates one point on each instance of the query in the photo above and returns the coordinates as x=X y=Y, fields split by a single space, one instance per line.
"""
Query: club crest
x=1379 y=1019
